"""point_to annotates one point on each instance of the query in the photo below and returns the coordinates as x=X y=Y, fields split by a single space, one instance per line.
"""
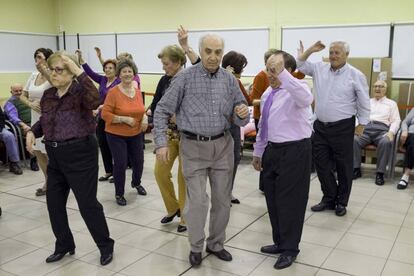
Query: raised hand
x=275 y=64
x=71 y=65
x=182 y=35
x=317 y=46
x=301 y=49
x=80 y=58
x=98 y=52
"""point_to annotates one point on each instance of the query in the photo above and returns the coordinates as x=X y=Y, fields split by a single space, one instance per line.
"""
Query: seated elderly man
x=380 y=131
x=20 y=115
x=11 y=146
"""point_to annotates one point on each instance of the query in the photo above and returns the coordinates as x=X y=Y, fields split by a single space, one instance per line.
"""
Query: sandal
x=402 y=184
x=40 y=192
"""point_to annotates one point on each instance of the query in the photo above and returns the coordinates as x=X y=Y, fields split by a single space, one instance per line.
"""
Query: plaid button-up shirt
x=203 y=103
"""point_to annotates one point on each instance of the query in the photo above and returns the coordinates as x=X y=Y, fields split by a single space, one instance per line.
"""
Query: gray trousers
x=374 y=133
x=212 y=159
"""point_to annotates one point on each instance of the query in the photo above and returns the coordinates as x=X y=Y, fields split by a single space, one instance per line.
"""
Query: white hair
x=344 y=45
x=209 y=35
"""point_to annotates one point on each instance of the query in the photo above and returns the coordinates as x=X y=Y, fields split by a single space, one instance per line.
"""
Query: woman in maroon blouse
x=68 y=127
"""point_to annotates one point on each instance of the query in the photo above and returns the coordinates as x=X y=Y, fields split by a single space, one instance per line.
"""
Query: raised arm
x=88 y=70
x=304 y=66
x=99 y=55
x=304 y=55
x=182 y=35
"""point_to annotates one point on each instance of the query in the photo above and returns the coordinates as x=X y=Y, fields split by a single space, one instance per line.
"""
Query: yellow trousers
x=162 y=172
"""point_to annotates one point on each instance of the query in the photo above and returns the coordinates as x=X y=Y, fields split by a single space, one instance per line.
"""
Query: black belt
x=329 y=124
x=55 y=144
x=193 y=136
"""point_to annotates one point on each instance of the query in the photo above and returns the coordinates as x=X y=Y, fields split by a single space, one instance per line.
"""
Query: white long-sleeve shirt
x=339 y=94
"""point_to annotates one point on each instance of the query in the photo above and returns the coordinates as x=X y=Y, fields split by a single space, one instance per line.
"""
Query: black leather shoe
x=121 y=200
x=321 y=206
x=340 y=210
x=379 y=179
x=222 y=254
x=141 y=190
x=235 y=201
x=15 y=168
x=58 y=256
x=168 y=219
x=106 y=258
x=271 y=249
x=284 y=261
x=357 y=173
x=181 y=228
x=33 y=164
x=105 y=177
x=195 y=258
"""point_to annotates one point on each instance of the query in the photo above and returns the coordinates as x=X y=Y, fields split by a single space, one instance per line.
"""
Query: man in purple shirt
x=283 y=153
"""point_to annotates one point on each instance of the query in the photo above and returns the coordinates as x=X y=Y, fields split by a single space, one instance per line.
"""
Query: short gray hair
x=344 y=45
x=202 y=38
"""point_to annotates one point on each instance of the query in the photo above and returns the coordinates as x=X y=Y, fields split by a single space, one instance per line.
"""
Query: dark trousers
x=103 y=146
x=409 y=152
x=235 y=133
x=122 y=148
x=286 y=179
x=75 y=167
x=333 y=148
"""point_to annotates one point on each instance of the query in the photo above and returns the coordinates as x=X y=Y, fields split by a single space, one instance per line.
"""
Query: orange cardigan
x=260 y=84
x=117 y=103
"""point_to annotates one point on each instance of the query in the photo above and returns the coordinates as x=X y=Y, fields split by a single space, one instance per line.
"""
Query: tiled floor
x=376 y=237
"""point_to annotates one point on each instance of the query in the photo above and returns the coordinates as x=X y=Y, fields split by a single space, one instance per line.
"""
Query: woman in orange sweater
x=123 y=113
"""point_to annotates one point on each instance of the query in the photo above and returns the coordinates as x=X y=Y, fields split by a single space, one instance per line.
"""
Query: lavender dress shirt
x=289 y=115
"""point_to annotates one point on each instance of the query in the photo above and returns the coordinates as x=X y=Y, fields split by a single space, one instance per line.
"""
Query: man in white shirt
x=341 y=94
x=380 y=131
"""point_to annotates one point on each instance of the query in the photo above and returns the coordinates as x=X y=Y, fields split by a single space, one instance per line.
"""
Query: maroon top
x=70 y=116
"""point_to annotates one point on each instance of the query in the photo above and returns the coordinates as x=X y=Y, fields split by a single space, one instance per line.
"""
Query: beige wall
x=97 y=16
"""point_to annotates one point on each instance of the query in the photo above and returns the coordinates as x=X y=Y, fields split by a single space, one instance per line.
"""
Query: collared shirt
x=203 y=103
x=339 y=94
x=70 y=116
x=385 y=111
x=289 y=114
x=11 y=111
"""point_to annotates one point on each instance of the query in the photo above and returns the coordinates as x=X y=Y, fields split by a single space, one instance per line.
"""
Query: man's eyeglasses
x=57 y=70
x=379 y=86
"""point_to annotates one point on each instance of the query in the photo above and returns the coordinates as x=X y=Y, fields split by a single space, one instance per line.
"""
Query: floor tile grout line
x=396 y=237
x=347 y=229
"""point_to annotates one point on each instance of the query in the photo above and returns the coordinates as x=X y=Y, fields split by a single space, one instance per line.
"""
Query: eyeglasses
x=379 y=86
x=57 y=70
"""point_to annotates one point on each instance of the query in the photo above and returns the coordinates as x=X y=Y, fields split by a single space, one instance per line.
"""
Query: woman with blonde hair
x=172 y=58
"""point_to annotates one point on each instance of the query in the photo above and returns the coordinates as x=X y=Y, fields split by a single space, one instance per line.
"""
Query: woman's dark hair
x=236 y=60
x=290 y=61
x=111 y=61
x=45 y=51
x=126 y=63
